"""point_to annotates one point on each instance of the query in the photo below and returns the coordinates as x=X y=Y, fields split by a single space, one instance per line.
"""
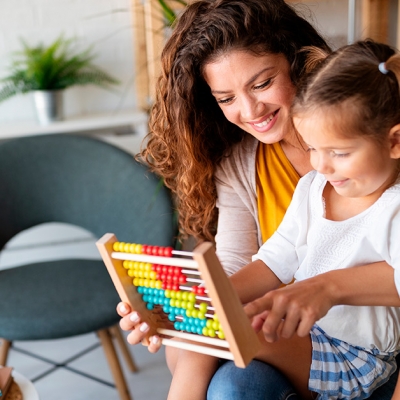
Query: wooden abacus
x=189 y=291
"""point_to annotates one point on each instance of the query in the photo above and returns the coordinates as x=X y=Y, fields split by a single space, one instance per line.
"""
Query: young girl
x=343 y=214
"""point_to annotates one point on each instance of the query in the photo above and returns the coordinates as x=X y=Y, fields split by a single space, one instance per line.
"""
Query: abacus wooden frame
x=241 y=344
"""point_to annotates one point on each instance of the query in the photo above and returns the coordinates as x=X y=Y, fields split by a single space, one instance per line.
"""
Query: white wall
x=107 y=24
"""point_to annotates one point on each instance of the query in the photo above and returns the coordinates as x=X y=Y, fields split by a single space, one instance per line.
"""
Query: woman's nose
x=251 y=108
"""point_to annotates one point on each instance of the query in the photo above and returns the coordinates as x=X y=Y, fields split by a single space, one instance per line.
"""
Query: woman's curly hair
x=189 y=134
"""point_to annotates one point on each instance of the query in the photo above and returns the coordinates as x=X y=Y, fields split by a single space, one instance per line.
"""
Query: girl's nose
x=321 y=163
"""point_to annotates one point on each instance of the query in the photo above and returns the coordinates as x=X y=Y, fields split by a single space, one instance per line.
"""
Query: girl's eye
x=341 y=154
x=263 y=85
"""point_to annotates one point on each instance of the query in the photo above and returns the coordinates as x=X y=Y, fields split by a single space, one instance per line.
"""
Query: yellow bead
x=153 y=274
x=221 y=335
x=179 y=294
x=190 y=306
x=209 y=323
x=195 y=314
x=152 y=283
x=146 y=283
x=185 y=296
x=184 y=304
x=116 y=246
x=147 y=267
x=192 y=297
x=126 y=248
x=136 y=264
x=131 y=273
x=189 y=313
x=215 y=325
x=158 y=284
x=200 y=315
x=203 y=307
x=215 y=317
x=125 y=264
x=211 y=333
x=136 y=281
x=138 y=249
x=205 y=331
x=132 y=248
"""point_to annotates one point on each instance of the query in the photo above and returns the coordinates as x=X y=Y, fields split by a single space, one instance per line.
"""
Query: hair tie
x=382 y=68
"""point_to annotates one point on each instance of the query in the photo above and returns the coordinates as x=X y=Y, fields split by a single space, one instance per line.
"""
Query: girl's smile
x=254 y=92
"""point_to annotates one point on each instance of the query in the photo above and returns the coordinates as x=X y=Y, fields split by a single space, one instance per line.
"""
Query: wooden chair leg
x=4 y=347
x=112 y=358
x=116 y=332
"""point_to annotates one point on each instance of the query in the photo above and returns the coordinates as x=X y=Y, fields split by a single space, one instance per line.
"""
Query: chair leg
x=116 y=332
x=4 y=347
x=112 y=358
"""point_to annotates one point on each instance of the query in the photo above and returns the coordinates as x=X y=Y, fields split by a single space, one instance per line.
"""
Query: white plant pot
x=49 y=105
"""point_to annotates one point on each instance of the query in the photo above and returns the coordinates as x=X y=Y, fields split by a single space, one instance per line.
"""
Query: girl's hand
x=130 y=321
x=292 y=309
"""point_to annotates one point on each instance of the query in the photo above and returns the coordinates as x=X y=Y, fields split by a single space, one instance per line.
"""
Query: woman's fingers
x=123 y=309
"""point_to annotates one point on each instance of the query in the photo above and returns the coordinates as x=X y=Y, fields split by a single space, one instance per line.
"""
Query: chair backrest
x=84 y=182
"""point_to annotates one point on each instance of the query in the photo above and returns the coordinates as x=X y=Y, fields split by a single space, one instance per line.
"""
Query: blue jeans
x=260 y=381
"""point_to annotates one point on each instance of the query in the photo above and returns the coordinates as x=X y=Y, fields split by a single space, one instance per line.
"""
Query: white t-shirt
x=307 y=244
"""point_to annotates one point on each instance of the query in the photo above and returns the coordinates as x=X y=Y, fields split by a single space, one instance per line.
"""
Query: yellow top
x=276 y=180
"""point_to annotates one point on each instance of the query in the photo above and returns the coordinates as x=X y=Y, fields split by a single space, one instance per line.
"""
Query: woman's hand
x=292 y=309
x=131 y=322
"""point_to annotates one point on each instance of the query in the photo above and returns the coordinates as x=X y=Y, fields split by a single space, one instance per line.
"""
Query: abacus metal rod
x=211 y=351
x=194 y=338
x=171 y=261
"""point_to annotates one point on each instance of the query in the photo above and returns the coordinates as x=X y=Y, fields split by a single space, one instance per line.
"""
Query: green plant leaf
x=53 y=67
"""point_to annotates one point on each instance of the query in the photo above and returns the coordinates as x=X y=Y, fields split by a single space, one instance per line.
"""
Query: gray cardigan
x=239 y=235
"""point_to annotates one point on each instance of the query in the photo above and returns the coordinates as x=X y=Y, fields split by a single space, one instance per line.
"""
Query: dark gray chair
x=88 y=183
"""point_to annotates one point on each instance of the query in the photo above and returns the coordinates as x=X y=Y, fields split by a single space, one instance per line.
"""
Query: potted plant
x=47 y=70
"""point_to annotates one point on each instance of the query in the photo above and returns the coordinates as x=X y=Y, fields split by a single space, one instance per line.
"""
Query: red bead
x=154 y=250
x=182 y=279
x=169 y=286
x=171 y=270
x=160 y=251
x=175 y=278
x=194 y=289
x=175 y=286
x=164 y=285
x=149 y=249
x=200 y=290
x=158 y=276
x=167 y=251
x=177 y=271
x=165 y=269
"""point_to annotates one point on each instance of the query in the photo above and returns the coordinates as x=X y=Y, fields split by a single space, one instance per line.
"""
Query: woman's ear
x=394 y=140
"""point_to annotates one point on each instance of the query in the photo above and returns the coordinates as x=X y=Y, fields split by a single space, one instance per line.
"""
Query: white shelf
x=126 y=121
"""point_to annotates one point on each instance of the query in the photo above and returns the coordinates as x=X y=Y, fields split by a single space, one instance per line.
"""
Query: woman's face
x=254 y=92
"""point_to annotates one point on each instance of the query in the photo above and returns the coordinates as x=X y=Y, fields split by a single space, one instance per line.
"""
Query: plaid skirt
x=342 y=371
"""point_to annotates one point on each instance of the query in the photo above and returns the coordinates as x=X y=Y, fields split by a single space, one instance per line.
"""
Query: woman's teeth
x=266 y=122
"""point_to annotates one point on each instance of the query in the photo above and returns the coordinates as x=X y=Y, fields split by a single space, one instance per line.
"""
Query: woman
x=230 y=68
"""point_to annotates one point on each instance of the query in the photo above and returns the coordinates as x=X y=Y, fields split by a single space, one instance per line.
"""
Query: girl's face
x=355 y=166
x=254 y=92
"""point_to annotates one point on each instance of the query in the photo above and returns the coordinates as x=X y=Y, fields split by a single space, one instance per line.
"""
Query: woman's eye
x=224 y=101
x=310 y=149
x=263 y=85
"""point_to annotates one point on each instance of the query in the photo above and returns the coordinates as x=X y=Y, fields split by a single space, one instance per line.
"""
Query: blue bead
x=166 y=309
x=150 y=306
x=171 y=317
x=177 y=326
x=140 y=289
